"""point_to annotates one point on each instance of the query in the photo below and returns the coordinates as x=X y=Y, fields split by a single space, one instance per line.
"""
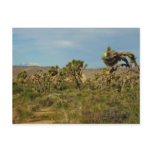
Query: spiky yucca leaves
x=110 y=61
x=22 y=79
x=53 y=79
x=22 y=76
x=53 y=70
x=118 y=81
x=41 y=81
x=21 y=82
x=58 y=80
x=44 y=81
x=36 y=80
x=74 y=70
x=111 y=58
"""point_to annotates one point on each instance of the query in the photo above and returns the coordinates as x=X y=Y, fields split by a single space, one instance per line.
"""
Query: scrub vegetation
x=69 y=95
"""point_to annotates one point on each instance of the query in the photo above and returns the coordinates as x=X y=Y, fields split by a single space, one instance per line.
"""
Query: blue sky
x=58 y=46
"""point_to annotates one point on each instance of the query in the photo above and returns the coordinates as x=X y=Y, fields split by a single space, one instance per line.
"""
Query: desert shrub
x=114 y=115
x=53 y=70
x=29 y=95
x=74 y=71
x=55 y=116
x=46 y=101
x=44 y=117
x=89 y=84
x=89 y=116
x=17 y=88
x=106 y=98
x=34 y=107
x=21 y=114
x=60 y=104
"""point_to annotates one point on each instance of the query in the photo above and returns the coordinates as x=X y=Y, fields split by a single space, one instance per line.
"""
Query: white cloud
x=30 y=64
x=64 y=44
x=34 y=64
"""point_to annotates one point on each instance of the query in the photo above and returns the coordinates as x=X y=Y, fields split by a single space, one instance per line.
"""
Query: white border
x=70 y=13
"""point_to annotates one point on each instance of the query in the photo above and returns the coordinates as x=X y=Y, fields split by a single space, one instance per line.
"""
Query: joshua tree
x=21 y=78
x=111 y=58
x=74 y=70
x=22 y=75
x=53 y=74
x=36 y=80
x=41 y=81
x=53 y=70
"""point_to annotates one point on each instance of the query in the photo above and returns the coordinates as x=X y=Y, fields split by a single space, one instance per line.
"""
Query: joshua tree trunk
x=76 y=80
x=131 y=57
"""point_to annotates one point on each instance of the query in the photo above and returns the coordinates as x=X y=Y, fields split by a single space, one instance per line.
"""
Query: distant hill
x=89 y=73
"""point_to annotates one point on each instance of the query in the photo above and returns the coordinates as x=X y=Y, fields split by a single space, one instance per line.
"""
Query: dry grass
x=96 y=102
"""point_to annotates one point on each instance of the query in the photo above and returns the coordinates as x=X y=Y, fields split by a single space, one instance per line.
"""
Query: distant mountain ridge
x=28 y=64
x=33 y=69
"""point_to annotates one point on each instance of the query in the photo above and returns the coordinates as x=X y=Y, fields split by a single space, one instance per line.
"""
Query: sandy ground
x=40 y=122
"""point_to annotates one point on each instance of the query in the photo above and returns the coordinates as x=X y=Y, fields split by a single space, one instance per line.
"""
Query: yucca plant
x=21 y=78
x=111 y=58
x=74 y=70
